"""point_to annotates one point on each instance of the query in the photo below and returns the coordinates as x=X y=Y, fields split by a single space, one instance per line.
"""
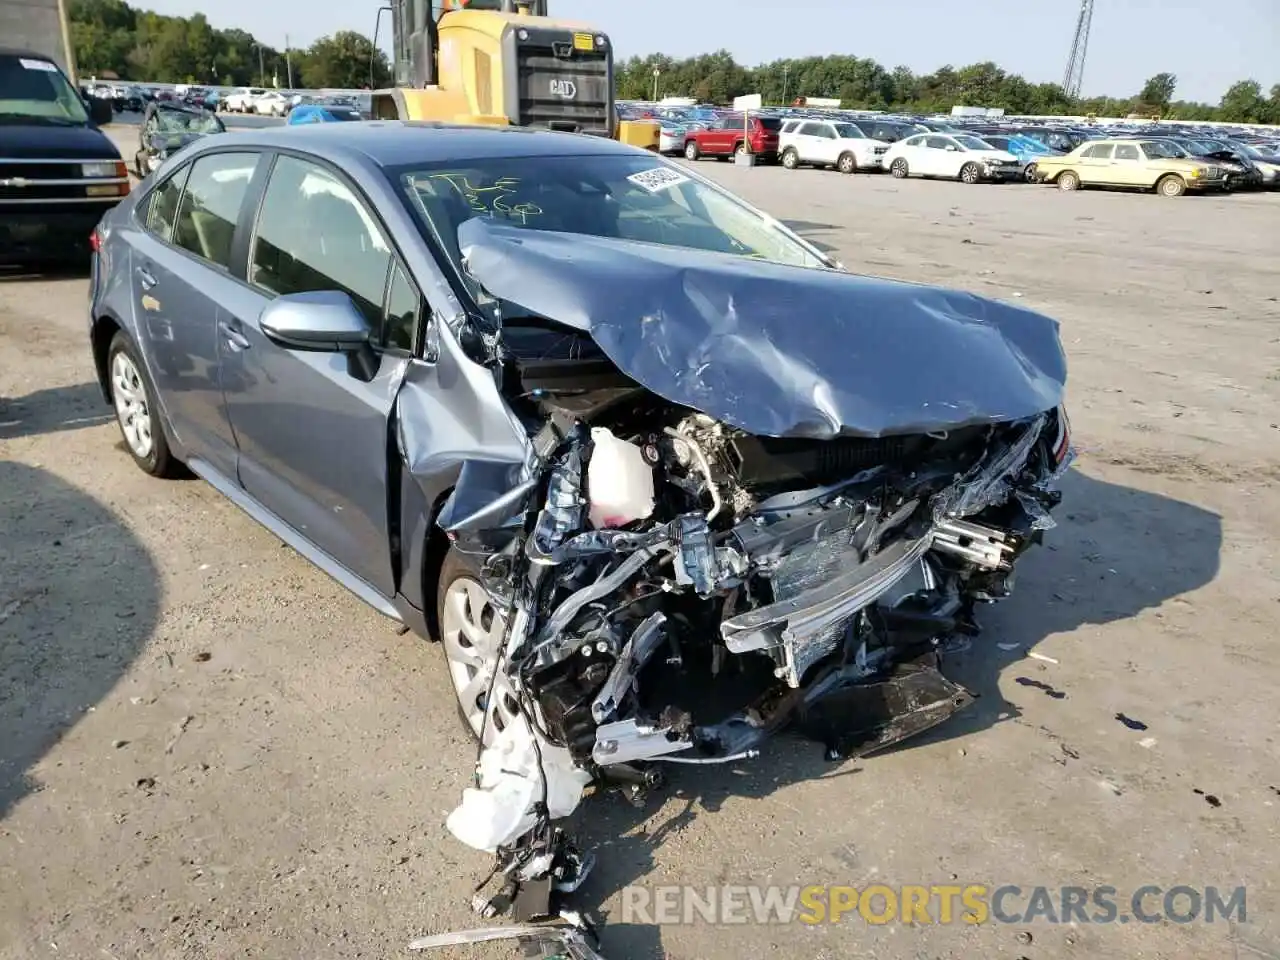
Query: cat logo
x=564 y=89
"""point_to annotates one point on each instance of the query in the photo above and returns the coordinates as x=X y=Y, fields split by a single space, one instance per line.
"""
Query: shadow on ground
x=76 y=270
x=1116 y=552
x=79 y=597
x=53 y=410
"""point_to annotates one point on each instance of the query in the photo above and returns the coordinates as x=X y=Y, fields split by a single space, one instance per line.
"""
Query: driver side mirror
x=324 y=321
x=100 y=111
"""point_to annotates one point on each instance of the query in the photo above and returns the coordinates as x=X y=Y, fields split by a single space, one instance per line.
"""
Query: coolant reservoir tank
x=619 y=481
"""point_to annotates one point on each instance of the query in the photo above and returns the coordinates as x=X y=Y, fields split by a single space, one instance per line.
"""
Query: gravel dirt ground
x=208 y=749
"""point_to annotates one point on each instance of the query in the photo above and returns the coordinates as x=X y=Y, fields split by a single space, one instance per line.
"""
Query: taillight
x=95 y=240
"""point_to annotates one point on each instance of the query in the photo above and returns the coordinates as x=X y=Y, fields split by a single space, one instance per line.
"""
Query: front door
x=180 y=275
x=313 y=435
x=1128 y=167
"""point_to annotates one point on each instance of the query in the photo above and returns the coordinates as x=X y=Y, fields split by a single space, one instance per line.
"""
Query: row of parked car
x=261 y=101
x=1170 y=159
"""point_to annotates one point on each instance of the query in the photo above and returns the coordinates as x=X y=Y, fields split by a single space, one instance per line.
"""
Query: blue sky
x=1208 y=45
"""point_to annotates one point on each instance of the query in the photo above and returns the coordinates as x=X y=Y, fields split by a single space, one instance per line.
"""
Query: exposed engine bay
x=678 y=590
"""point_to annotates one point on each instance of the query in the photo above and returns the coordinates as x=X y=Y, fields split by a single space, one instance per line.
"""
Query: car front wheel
x=899 y=168
x=847 y=163
x=790 y=159
x=472 y=632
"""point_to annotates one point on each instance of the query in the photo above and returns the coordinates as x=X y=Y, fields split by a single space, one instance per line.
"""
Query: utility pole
x=656 y=73
x=262 y=71
x=288 y=63
x=786 y=69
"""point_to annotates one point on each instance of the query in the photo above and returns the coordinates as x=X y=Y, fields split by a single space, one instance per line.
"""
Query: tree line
x=862 y=83
x=112 y=37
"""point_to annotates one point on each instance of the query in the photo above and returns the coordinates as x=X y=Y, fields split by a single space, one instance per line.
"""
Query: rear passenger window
x=162 y=205
x=315 y=234
x=1126 y=152
x=211 y=205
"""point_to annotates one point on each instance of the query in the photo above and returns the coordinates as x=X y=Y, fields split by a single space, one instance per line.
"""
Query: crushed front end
x=724 y=527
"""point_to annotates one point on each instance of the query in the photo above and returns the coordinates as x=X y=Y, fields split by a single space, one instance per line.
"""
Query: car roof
x=393 y=143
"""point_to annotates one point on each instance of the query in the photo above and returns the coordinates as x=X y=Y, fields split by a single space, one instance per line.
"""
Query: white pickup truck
x=829 y=143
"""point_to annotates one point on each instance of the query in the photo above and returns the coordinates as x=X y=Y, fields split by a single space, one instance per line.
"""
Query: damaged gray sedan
x=662 y=478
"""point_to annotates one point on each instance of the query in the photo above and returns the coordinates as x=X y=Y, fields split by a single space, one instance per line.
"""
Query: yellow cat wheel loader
x=503 y=63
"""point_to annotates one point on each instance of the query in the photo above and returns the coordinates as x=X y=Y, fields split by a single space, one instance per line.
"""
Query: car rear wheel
x=136 y=410
x=691 y=150
x=472 y=632
x=899 y=168
x=1068 y=181
x=790 y=159
x=970 y=173
x=1171 y=186
x=741 y=149
x=1030 y=174
x=847 y=163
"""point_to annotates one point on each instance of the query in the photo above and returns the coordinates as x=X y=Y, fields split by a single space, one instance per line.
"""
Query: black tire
x=159 y=461
x=691 y=151
x=1030 y=174
x=790 y=159
x=900 y=169
x=1171 y=185
x=138 y=168
x=1068 y=181
x=740 y=148
x=847 y=163
x=970 y=173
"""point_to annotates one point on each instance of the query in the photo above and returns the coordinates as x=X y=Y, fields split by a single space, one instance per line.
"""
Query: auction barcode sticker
x=659 y=178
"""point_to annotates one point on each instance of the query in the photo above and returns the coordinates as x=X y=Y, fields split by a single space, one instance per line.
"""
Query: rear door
x=1094 y=164
x=180 y=276
x=313 y=435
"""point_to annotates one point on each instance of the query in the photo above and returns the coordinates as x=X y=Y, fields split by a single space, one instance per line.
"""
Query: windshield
x=971 y=143
x=849 y=132
x=32 y=89
x=620 y=197
x=1163 y=150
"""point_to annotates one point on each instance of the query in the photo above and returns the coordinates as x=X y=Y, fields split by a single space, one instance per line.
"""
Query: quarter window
x=211 y=204
x=315 y=234
x=162 y=205
x=403 y=306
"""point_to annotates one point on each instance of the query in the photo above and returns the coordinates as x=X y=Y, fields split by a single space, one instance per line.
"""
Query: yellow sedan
x=1145 y=164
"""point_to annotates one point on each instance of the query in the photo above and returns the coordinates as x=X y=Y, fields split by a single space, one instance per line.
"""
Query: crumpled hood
x=779 y=350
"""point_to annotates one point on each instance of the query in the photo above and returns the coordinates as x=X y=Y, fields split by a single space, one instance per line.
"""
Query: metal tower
x=1074 y=76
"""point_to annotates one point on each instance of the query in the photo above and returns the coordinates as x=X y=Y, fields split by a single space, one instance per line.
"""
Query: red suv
x=730 y=135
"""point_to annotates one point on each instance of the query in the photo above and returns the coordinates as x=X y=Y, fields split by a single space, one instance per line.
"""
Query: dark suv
x=58 y=172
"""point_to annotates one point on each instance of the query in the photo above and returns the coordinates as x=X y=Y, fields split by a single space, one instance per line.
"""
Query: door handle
x=147 y=278
x=237 y=340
